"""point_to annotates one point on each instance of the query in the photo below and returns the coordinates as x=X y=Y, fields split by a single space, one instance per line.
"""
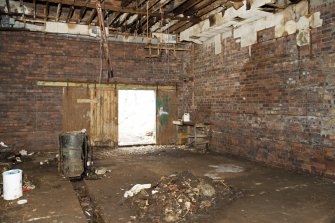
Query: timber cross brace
x=104 y=40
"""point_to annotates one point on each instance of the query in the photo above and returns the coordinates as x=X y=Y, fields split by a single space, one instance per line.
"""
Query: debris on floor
x=2 y=144
x=101 y=170
x=136 y=189
x=27 y=186
x=155 y=150
x=23 y=201
x=179 y=197
x=23 y=152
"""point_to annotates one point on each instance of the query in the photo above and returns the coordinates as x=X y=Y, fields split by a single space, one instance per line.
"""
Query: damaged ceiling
x=192 y=20
x=122 y=16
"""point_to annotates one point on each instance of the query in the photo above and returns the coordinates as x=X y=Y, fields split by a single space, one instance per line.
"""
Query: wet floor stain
x=223 y=168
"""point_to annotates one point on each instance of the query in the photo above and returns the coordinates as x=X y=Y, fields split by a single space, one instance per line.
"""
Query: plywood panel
x=166 y=106
x=103 y=126
x=76 y=116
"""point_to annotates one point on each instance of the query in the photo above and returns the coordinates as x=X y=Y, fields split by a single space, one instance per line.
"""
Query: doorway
x=136 y=117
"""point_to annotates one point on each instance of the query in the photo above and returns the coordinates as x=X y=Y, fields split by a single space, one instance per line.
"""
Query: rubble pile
x=179 y=197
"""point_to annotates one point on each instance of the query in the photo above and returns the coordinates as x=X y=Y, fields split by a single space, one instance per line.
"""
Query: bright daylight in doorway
x=137 y=117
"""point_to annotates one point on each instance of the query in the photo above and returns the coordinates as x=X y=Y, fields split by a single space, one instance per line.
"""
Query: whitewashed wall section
x=244 y=24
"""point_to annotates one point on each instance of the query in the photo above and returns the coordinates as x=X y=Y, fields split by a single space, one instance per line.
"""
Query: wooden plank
x=83 y=11
x=69 y=15
x=46 y=11
x=167 y=48
x=111 y=85
x=34 y=5
x=86 y=100
x=107 y=6
x=92 y=15
x=185 y=6
x=175 y=5
x=125 y=3
x=59 y=9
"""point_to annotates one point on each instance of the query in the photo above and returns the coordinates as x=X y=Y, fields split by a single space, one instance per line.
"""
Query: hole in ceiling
x=194 y=37
x=238 y=19
x=268 y=8
x=212 y=20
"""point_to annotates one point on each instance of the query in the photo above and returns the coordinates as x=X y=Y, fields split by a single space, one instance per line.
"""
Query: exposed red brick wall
x=277 y=105
x=31 y=115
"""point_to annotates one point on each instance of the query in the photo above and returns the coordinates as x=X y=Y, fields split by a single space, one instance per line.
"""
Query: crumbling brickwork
x=31 y=115
x=274 y=102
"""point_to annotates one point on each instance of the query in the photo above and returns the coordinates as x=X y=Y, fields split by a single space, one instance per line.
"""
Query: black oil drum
x=73 y=154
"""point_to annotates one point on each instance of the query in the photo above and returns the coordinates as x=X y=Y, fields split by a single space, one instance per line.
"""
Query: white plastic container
x=186 y=117
x=12 y=184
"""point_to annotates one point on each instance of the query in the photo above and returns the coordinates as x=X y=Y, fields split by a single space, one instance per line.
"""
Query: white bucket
x=12 y=184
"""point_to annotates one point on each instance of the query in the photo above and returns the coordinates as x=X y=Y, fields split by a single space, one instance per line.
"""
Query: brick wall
x=31 y=115
x=277 y=105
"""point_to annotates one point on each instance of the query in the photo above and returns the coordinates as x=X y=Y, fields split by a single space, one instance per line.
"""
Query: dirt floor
x=265 y=194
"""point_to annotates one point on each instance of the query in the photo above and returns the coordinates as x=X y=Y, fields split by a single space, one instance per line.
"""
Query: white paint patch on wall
x=292 y=19
x=217 y=44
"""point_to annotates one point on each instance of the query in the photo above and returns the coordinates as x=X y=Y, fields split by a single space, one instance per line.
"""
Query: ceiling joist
x=126 y=16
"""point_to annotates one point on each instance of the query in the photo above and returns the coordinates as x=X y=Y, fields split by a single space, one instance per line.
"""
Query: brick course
x=31 y=115
x=277 y=105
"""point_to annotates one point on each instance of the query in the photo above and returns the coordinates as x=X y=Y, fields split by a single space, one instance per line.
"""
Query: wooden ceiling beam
x=83 y=11
x=20 y=15
x=185 y=6
x=193 y=10
x=107 y=6
x=173 y=5
x=69 y=15
x=201 y=15
x=125 y=3
x=46 y=11
x=113 y=17
x=177 y=26
x=213 y=6
x=184 y=27
x=71 y=10
x=91 y=17
x=59 y=10
x=34 y=8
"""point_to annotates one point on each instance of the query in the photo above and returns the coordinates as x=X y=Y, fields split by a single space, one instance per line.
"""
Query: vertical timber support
x=104 y=39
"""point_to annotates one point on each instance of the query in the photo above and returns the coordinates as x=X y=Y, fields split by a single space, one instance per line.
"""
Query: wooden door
x=103 y=126
x=166 y=107
x=93 y=109
x=76 y=116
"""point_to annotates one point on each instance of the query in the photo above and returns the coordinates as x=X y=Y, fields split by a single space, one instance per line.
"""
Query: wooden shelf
x=190 y=133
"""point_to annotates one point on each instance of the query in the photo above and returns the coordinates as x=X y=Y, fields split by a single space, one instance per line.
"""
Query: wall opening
x=136 y=117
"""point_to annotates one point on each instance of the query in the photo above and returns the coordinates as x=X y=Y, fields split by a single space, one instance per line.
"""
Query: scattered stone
x=206 y=189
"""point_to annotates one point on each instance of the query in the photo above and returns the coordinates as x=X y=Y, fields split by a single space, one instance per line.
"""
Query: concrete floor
x=269 y=194
x=53 y=199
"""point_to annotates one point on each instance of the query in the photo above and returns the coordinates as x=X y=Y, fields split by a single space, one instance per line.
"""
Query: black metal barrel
x=73 y=153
